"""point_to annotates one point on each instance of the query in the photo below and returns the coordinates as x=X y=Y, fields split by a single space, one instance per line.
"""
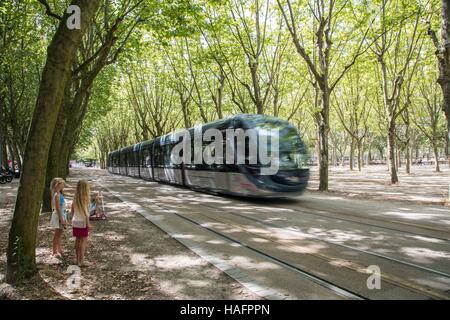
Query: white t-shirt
x=79 y=220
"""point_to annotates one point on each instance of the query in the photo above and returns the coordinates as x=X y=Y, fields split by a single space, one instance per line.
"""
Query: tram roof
x=250 y=120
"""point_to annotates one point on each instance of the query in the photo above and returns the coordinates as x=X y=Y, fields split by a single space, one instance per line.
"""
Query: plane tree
x=330 y=36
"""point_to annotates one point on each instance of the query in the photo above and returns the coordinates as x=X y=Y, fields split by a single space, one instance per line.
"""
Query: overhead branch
x=48 y=10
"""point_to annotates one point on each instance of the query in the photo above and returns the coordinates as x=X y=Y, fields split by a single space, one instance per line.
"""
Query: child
x=80 y=220
x=94 y=214
x=58 y=219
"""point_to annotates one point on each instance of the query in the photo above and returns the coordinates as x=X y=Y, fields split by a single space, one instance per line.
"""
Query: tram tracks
x=358 y=219
x=273 y=225
x=407 y=224
x=316 y=279
x=336 y=288
x=340 y=291
x=352 y=265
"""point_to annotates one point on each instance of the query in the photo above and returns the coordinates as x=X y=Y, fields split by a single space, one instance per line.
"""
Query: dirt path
x=130 y=259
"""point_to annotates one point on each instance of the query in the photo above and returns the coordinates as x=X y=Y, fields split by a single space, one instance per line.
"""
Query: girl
x=80 y=220
x=58 y=219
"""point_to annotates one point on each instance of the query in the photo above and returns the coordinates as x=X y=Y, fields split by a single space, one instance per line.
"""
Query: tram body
x=151 y=160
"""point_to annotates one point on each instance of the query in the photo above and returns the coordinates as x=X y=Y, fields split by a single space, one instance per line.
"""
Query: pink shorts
x=80 y=232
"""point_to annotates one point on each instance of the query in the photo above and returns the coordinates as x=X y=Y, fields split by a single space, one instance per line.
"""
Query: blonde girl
x=58 y=219
x=80 y=220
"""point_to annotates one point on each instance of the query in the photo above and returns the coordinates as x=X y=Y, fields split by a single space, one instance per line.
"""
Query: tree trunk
x=184 y=107
x=436 y=158
x=443 y=57
x=324 y=127
x=360 y=160
x=4 y=153
x=447 y=144
x=388 y=154
x=17 y=154
x=12 y=157
x=219 y=99
x=352 y=153
x=408 y=157
x=391 y=153
x=3 y=156
x=21 y=256
x=54 y=156
x=334 y=155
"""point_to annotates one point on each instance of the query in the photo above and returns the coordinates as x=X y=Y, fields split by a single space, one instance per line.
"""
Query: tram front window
x=292 y=154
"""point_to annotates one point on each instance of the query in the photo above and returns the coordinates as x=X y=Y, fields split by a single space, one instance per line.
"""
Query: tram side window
x=228 y=167
x=169 y=162
x=145 y=157
x=166 y=154
x=157 y=156
x=135 y=158
x=122 y=160
x=148 y=158
x=161 y=156
x=130 y=158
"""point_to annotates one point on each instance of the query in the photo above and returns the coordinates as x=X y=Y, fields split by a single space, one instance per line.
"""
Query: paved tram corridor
x=312 y=247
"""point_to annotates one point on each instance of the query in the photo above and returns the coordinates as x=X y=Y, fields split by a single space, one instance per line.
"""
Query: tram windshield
x=292 y=151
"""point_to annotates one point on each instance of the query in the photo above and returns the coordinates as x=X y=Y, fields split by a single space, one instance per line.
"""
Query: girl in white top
x=58 y=220
x=80 y=220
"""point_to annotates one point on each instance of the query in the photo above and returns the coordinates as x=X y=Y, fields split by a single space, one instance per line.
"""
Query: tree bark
x=12 y=157
x=21 y=256
x=444 y=65
x=54 y=154
x=324 y=127
x=334 y=155
x=436 y=158
x=4 y=153
x=3 y=156
x=388 y=153
x=391 y=147
x=360 y=160
x=219 y=100
x=408 y=157
x=352 y=153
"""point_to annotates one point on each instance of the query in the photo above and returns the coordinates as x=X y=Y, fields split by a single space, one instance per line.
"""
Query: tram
x=153 y=160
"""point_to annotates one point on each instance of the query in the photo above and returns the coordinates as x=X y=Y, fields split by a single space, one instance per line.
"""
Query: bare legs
x=77 y=249
x=80 y=249
x=57 y=249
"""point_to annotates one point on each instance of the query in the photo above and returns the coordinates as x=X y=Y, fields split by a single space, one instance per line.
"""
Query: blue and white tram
x=151 y=160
